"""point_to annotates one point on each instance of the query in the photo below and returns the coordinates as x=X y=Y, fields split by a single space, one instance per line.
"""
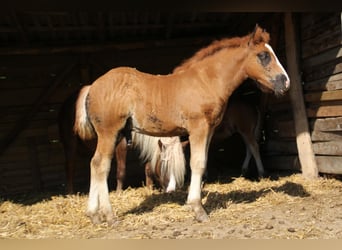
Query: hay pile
x=289 y=207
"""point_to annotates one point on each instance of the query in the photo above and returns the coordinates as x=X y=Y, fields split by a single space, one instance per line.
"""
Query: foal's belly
x=152 y=125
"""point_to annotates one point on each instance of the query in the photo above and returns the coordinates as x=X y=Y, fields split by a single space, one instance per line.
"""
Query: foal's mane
x=258 y=36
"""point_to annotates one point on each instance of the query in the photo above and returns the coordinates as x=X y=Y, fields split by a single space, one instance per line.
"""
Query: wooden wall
x=321 y=67
x=321 y=37
x=32 y=88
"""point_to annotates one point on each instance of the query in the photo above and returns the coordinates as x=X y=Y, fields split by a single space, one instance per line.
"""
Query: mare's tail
x=83 y=126
x=170 y=154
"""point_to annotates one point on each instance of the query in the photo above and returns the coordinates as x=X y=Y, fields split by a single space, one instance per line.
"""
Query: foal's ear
x=259 y=35
x=251 y=38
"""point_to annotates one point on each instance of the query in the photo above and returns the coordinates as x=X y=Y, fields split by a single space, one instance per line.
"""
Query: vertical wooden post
x=304 y=144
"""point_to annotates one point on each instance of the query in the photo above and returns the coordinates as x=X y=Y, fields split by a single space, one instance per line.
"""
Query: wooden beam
x=328 y=148
x=92 y=48
x=323 y=96
x=326 y=136
x=333 y=82
x=37 y=184
x=325 y=111
x=304 y=145
x=327 y=124
x=330 y=164
x=282 y=162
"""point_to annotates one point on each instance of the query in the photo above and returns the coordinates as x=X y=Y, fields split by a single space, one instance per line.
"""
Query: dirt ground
x=287 y=207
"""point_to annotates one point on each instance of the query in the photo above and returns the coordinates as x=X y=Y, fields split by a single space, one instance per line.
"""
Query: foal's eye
x=264 y=58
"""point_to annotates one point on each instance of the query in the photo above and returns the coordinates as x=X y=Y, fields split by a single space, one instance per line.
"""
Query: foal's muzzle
x=281 y=84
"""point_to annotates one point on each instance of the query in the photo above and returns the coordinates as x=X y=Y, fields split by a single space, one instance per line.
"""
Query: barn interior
x=47 y=55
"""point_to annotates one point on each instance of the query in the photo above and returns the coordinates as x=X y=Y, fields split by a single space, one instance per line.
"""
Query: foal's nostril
x=284 y=80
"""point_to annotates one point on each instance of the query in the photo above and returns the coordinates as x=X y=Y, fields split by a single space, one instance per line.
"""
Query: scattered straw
x=289 y=207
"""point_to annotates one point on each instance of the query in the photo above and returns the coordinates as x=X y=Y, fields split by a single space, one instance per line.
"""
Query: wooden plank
x=303 y=139
x=324 y=41
x=35 y=168
x=324 y=111
x=329 y=164
x=7 y=139
x=81 y=49
x=284 y=129
x=323 y=96
x=325 y=56
x=281 y=162
x=333 y=82
x=321 y=23
x=327 y=124
x=323 y=70
x=326 y=136
x=279 y=147
x=18 y=97
x=328 y=148
x=310 y=19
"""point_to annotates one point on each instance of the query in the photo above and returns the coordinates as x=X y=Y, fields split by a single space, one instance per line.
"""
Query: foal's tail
x=170 y=155
x=83 y=126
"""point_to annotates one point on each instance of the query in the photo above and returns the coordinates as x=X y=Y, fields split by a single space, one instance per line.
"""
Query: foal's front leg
x=99 y=208
x=198 y=150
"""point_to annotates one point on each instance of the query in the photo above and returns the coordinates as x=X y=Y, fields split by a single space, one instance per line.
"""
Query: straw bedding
x=287 y=208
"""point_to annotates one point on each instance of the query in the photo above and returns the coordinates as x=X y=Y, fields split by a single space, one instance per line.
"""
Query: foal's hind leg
x=99 y=208
x=121 y=155
x=199 y=143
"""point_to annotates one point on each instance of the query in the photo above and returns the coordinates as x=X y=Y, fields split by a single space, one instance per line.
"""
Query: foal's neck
x=228 y=67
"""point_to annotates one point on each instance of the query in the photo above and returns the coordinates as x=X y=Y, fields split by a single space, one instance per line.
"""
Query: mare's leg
x=247 y=159
x=99 y=208
x=253 y=147
x=149 y=175
x=121 y=155
x=199 y=143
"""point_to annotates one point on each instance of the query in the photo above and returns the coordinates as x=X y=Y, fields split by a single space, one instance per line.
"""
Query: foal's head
x=263 y=65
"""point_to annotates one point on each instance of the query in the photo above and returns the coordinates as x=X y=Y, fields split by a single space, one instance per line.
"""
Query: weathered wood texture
x=304 y=145
x=321 y=68
x=322 y=74
x=31 y=92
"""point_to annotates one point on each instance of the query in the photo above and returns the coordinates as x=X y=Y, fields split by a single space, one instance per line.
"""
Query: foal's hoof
x=203 y=217
x=97 y=219
x=200 y=214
